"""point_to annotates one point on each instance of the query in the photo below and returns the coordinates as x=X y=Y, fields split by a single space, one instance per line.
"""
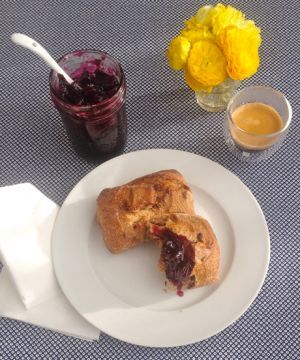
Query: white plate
x=122 y=294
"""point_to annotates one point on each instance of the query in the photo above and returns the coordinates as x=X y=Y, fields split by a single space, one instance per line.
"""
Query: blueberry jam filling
x=88 y=88
x=178 y=255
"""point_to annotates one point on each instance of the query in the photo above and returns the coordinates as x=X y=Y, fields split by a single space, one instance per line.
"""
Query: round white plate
x=123 y=294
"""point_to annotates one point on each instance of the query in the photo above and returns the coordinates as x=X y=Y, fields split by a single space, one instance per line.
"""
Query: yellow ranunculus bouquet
x=217 y=43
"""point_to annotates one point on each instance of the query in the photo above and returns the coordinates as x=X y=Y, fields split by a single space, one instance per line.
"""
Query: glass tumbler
x=97 y=130
x=250 y=147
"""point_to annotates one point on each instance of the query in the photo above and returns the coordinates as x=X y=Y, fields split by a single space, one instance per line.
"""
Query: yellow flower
x=216 y=43
x=253 y=31
x=202 y=18
x=240 y=47
x=204 y=15
x=194 y=35
x=178 y=52
x=193 y=24
x=223 y=16
x=195 y=85
x=206 y=63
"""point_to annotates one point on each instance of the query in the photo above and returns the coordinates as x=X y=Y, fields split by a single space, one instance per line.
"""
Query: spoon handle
x=34 y=46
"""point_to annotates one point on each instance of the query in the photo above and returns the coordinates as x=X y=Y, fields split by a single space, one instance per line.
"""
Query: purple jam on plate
x=178 y=255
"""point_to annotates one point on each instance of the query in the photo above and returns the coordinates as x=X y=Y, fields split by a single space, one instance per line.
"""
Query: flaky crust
x=124 y=212
x=200 y=233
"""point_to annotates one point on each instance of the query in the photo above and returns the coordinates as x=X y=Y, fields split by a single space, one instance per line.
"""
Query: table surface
x=162 y=113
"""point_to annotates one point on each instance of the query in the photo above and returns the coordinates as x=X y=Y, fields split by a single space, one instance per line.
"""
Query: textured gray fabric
x=162 y=113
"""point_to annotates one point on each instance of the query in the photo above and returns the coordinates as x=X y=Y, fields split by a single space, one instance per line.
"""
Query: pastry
x=190 y=254
x=124 y=212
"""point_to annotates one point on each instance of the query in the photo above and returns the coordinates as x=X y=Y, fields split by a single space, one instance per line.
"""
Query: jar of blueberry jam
x=93 y=107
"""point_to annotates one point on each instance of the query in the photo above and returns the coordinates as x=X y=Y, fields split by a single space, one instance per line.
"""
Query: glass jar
x=94 y=129
x=219 y=97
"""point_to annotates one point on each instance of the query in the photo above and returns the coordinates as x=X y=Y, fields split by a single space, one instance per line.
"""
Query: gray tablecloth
x=162 y=113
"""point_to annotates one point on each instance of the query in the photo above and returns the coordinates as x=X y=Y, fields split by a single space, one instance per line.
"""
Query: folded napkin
x=28 y=287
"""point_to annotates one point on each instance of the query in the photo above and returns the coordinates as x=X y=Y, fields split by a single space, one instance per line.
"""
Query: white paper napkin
x=28 y=287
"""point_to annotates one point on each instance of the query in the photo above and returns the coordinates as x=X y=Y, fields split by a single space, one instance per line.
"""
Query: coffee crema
x=255 y=126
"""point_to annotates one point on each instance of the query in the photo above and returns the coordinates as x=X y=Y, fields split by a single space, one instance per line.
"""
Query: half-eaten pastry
x=190 y=255
x=123 y=212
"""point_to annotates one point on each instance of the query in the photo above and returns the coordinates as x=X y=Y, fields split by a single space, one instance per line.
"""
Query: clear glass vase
x=218 y=99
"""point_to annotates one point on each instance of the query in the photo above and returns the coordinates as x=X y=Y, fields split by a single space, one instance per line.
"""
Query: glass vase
x=218 y=99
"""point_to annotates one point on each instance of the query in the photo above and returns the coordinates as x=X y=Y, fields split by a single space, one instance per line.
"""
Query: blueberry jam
x=93 y=107
x=88 y=88
x=178 y=254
